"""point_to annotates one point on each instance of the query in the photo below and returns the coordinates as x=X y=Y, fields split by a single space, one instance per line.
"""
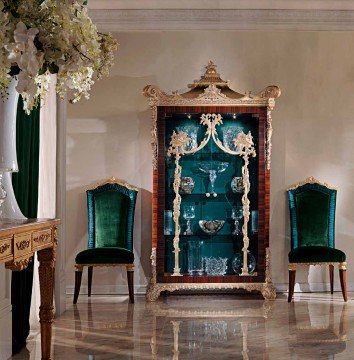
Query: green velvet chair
x=312 y=219
x=111 y=206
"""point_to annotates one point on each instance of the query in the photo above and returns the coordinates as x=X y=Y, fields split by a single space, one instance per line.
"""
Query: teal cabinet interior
x=197 y=166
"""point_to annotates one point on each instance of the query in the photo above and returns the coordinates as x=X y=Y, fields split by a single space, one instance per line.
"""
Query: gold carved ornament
x=211 y=95
x=113 y=180
x=310 y=180
x=3 y=248
x=178 y=144
x=42 y=238
x=22 y=245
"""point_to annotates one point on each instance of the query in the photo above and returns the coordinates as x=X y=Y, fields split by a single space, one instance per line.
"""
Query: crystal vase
x=195 y=261
x=8 y=156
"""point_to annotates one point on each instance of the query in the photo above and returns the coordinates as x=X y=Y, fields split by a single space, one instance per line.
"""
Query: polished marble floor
x=315 y=326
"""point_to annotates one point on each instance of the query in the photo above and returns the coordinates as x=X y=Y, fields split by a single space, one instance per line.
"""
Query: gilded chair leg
x=78 y=277
x=343 y=283
x=292 y=274
x=130 y=275
x=90 y=271
x=331 y=276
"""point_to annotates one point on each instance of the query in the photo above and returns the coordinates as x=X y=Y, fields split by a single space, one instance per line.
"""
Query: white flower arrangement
x=42 y=37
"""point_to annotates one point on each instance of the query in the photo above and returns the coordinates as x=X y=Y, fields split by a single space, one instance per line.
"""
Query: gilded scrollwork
x=310 y=180
x=24 y=244
x=154 y=291
x=270 y=92
x=114 y=180
x=212 y=93
x=341 y=265
x=269 y=133
x=4 y=247
x=42 y=238
x=268 y=292
x=18 y=265
x=154 y=136
x=152 y=284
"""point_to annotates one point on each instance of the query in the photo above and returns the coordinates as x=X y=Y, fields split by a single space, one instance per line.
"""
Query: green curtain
x=25 y=184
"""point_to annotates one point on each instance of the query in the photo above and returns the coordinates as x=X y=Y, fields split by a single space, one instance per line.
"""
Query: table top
x=16 y=226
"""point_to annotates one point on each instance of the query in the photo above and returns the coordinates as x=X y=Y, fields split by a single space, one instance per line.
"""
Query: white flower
x=22 y=35
x=51 y=36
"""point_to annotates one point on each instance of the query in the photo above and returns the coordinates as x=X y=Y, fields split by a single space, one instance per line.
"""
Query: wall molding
x=222 y=4
x=116 y=20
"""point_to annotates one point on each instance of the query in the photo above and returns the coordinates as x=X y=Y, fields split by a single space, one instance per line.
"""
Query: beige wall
x=313 y=128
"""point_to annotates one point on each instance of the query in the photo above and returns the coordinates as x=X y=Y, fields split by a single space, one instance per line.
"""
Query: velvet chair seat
x=105 y=255
x=317 y=254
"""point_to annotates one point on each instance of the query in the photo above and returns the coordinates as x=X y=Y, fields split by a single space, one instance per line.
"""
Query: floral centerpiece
x=42 y=37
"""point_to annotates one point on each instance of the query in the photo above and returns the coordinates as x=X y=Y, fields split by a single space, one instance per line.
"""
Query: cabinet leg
x=46 y=271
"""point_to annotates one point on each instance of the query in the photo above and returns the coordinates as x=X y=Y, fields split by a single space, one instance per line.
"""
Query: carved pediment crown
x=211 y=89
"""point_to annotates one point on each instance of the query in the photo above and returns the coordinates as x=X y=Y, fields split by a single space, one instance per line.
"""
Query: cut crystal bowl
x=215 y=266
x=211 y=226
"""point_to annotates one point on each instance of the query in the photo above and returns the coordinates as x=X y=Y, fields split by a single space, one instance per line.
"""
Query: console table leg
x=46 y=270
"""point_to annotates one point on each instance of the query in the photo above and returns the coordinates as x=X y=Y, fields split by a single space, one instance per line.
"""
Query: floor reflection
x=201 y=327
x=208 y=333
x=312 y=330
x=100 y=338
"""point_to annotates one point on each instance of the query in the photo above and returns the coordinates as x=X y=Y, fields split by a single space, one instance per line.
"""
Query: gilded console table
x=19 y=240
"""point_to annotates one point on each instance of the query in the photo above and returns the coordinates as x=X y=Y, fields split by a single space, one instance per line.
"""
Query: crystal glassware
x=192 y=133
x=168 y=219
x=211 y=226
x=237 y=184
x=187 y=185
x=254 y=221
x=237 y=215
x=215 y=266
x=212 y=168
x=195 y=261
x=188 y=215
x=229 y=135
x=237 y=263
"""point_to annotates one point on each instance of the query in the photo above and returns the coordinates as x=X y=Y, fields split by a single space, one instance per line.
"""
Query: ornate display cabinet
x=211 y=169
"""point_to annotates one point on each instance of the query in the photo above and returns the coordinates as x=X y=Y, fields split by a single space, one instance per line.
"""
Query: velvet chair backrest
x=111 y=209
x=312 y=215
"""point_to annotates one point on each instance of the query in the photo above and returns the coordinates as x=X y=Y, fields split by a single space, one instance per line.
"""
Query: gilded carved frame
x=212 y=95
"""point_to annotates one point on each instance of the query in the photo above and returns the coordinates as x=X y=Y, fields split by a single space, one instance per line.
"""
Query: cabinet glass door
x=212 y=205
